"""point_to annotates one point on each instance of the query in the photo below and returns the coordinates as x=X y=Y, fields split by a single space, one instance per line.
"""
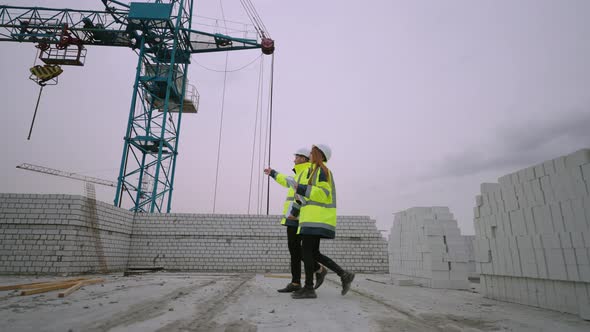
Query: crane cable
x=258 y=100
x=263 y=33
x=255 y=18
x=260 y=183
x=272 y=65
x=221 y=120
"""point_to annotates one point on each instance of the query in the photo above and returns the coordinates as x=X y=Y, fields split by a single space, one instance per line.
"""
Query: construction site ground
x=164 y=301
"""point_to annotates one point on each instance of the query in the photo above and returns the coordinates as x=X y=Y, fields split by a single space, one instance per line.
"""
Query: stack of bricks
x=246 y=243
x=55 y=234
x=426 y=246
x=533 y=235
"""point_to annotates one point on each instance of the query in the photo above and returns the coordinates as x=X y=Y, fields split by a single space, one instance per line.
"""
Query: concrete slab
x=249 y=302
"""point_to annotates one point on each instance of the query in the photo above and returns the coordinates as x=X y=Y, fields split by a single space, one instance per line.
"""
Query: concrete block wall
x=61 y=234
x=425 y=244
x=254 y=243
x=53 y=234
x=533 y=235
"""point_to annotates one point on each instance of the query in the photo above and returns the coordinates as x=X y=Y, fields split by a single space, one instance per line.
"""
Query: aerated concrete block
x=557 y=217
x=581 y=221
x=514 y=179
x=556 y=264
x=517 y=222
x=505 y=180
x=516 y=263
x=549 y=167
x=569 y=220
x=510 y=200
x=529 y=174
x=577 y=158
x=478 y=200
x=541 y=263
x=586 y=172
x=547 y=189
x=559 y=164
x=577 y=239
x=542 y=219
x=539 y=171
x=571 y=264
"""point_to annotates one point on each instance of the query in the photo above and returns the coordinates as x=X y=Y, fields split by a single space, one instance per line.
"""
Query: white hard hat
x=303 y=152
x=325 y=150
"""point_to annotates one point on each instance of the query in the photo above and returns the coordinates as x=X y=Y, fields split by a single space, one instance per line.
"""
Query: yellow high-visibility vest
x=318 y=214
x=301 y=176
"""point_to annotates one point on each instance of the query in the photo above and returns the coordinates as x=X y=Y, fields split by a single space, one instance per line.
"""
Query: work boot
x=304 y=293
x=320 y=276
x=346 y=278
x=289 y=288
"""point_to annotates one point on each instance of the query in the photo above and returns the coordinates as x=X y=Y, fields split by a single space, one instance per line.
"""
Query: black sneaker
x=304 y=293
x=289 y=288
x=346 y=279
x=319 y=277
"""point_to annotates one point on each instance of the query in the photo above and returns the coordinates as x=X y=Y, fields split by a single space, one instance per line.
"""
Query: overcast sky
x=421 y=102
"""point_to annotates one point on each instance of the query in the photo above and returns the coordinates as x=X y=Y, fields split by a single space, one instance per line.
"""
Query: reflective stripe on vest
x=320 y=225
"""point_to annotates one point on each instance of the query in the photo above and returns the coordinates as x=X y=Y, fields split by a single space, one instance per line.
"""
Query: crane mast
x=160 y=33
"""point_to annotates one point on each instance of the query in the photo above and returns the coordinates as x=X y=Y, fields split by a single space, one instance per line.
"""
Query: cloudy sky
x=421 y=102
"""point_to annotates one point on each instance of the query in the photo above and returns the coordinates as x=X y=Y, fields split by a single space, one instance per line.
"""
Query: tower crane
x=160 y=33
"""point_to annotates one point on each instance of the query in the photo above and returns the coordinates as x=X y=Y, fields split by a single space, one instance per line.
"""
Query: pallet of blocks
x=532 y=242
x=426 y=247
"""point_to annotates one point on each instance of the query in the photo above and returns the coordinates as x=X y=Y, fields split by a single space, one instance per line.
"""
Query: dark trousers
x=311 y=256
x=294 y=243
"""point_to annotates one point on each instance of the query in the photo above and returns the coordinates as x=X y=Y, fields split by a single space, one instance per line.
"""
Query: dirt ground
x=249 y=302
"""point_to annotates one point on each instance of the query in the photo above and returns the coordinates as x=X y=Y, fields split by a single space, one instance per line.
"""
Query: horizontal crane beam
x=101 y=28
x=200 y=42
x=69 y=175
x=37 y=24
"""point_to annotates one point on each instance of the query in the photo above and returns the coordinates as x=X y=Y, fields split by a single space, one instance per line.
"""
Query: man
x=301 y=170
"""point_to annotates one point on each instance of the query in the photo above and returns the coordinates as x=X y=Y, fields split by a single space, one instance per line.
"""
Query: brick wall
x=206 y=242
x=73 y=234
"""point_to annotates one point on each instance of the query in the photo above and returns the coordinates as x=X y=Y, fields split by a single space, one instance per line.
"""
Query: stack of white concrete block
x=533 y=235
x=426 y=246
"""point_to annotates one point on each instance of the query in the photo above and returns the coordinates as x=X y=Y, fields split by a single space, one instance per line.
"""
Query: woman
x=317 y=219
